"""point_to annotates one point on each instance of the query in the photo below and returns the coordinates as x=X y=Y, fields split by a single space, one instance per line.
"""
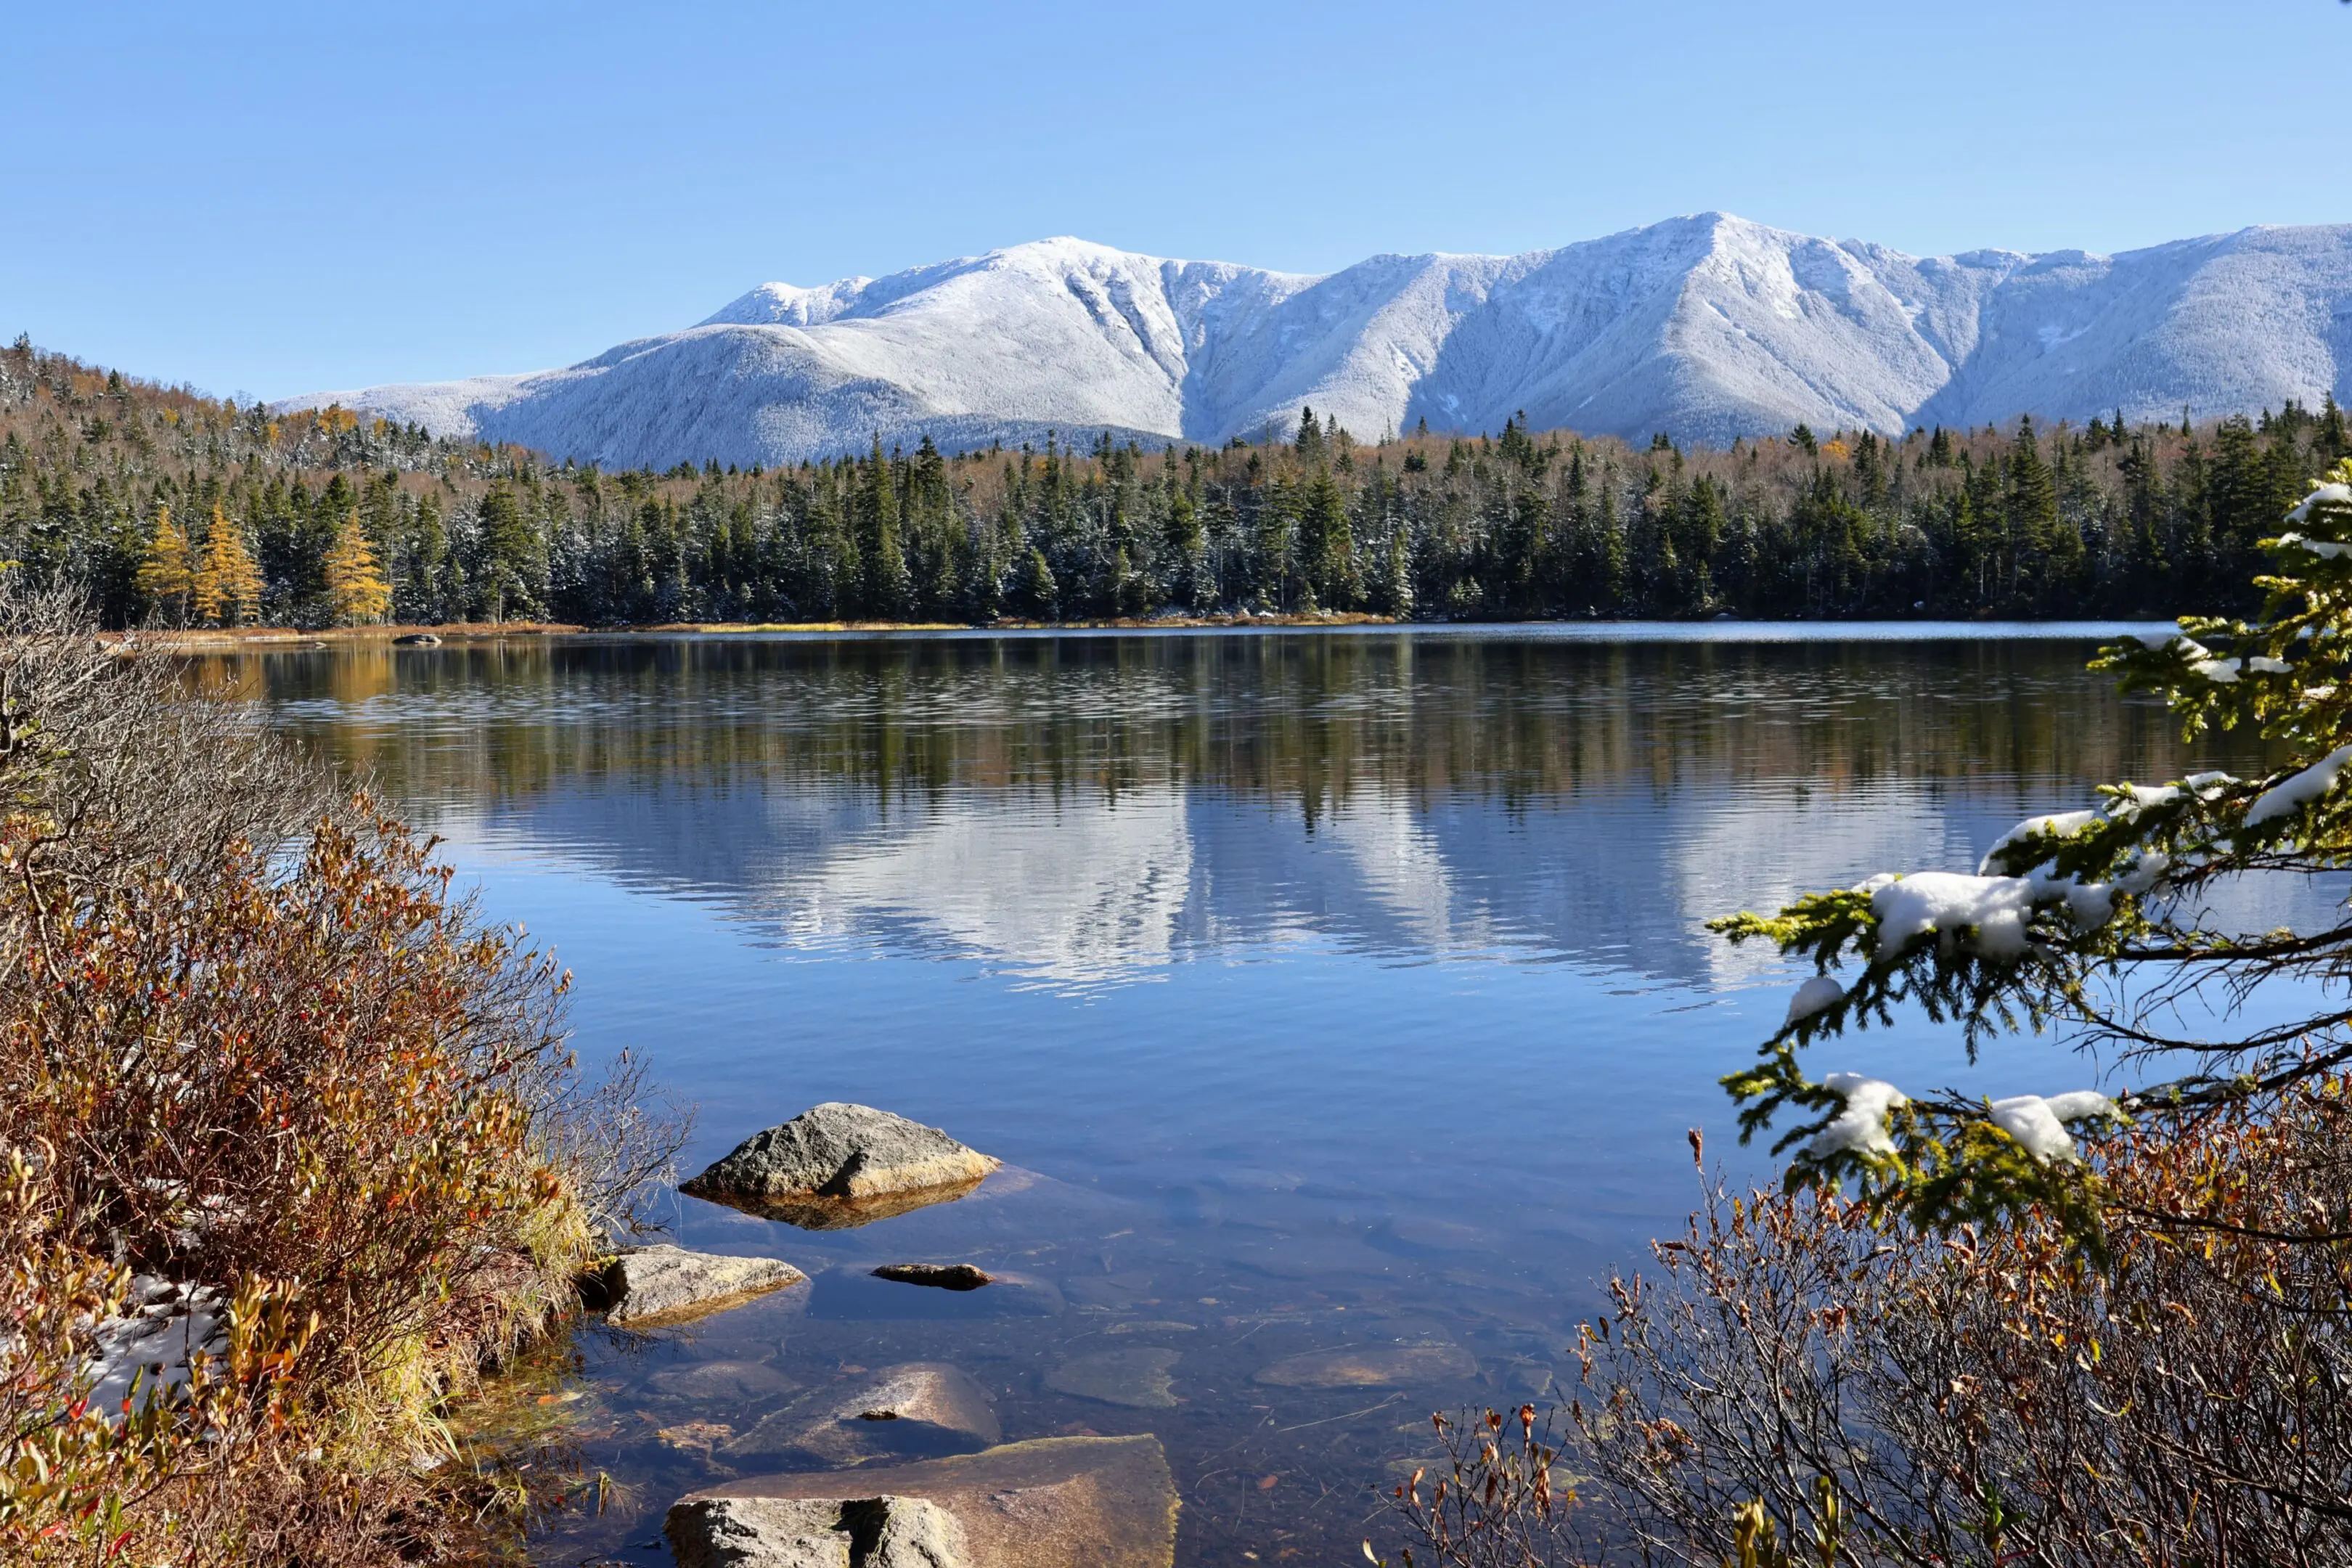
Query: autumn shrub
x=280 y=1116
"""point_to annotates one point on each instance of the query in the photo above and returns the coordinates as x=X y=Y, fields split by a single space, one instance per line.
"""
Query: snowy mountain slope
x=1707 y=327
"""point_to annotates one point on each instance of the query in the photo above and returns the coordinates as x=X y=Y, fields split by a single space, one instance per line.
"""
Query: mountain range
x=1707 y=327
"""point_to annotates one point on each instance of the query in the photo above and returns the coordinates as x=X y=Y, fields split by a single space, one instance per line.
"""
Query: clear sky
x=272 y=199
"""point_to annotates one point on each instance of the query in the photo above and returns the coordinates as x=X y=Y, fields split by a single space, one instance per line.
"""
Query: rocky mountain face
x=1706 y=327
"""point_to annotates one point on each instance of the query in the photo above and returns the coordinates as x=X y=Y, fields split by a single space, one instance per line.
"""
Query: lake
x=1320 y=990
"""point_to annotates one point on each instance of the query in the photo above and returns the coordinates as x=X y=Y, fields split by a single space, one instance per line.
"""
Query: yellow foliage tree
x=228 y=583
x=164 y=574
x=357 y=592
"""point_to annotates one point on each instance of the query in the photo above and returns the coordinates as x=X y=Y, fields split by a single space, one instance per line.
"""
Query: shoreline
x=232 y=639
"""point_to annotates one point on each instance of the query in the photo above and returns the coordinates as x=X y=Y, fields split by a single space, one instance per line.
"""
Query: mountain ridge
x=1707 y=327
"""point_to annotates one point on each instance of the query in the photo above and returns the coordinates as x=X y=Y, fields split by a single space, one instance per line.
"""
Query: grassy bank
x=291 y=1147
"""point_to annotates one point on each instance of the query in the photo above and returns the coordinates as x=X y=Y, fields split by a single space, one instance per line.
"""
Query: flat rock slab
x=1370 y=1366
x=836 y=1165
x=915 y=1409
x=1056 y=1502
x=649 y=1286
x=1136 y=1378
x=790 y=1532
x=940 y=1276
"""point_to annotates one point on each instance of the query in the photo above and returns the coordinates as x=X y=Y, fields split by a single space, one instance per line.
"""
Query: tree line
x=164 y=506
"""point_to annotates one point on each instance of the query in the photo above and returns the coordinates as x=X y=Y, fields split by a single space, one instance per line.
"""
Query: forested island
x=166 y=507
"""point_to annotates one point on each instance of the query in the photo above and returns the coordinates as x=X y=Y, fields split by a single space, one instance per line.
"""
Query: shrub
x=269 y=1091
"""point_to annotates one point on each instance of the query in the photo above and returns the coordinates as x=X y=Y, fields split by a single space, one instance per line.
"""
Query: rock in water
x=1370 y=1366
x=944 y=1276
x=836 y=1165
x=1136 y=1378
x=913 y=1409
x=723 y=1383
x=782 y=1533
x=648 y=1286
x=1056 y=1502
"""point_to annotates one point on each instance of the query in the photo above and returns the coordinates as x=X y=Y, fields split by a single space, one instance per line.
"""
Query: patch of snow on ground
x=164 y=1327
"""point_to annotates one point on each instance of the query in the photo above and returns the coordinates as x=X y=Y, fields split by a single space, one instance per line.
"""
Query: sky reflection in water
x=1339 y=990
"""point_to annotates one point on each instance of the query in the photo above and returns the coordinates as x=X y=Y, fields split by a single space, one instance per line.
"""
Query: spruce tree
x=1040 y=594
x=509 y=551
x=1328 y=544
x=886 y=585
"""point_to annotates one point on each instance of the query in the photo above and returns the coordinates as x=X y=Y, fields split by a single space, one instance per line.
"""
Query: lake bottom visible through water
x=1340 y=1005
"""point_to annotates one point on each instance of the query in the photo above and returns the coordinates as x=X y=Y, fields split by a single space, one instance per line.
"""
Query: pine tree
x=164 y=576
x=357 y=592
x=227 y=584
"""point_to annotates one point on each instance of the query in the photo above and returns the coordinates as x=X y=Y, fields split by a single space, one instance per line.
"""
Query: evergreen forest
x=167 y=507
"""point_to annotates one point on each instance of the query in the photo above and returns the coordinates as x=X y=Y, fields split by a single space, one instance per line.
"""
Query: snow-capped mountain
x=1706 y=327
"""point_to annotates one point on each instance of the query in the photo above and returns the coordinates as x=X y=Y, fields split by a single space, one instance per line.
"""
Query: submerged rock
x=856 y=1293
x=723 y=1383
x=836 y=1165
x=1370 y=1366
x=921 y=1408
x=1136 y=1378
x=1056 y=1502
x=645 y=1287
x=942 y=1275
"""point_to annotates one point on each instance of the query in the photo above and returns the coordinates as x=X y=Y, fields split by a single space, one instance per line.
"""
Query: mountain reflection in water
x=1088 y=810
x=1326 y=995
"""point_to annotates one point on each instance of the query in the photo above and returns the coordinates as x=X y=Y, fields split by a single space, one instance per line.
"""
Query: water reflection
x=1333 y=1000
x=1085 y=811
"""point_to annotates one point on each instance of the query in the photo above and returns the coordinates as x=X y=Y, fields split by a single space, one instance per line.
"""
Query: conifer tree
x=1328 y=542
x=1309 y=443
x=1040 y=594
x=510 y=546
x=887 y=584
x=357 y=592
x=227 y=584
x=2033 y=499
x=2330 y=443
x=165 y=577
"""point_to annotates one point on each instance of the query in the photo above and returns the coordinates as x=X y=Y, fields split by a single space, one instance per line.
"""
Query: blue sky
x=271 y=199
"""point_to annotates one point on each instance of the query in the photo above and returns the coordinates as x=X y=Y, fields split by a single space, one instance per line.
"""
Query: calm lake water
x=1319 y=991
